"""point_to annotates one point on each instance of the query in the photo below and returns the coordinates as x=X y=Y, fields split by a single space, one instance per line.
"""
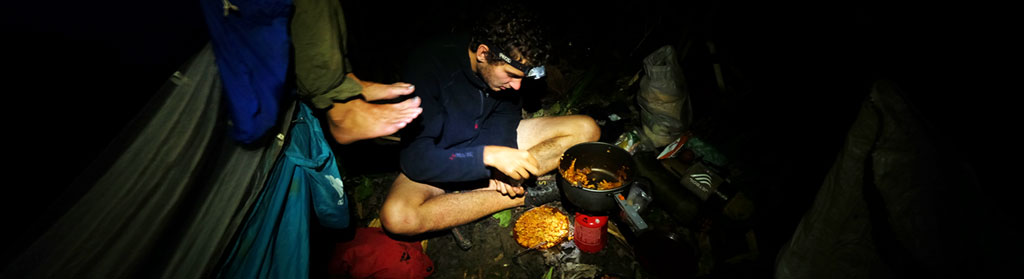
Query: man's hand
x=505 y=188
x=373 y=91
x=517 y=164
x=358 y=120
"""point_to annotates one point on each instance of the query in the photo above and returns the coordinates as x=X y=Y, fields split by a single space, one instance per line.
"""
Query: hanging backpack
x=274 y=239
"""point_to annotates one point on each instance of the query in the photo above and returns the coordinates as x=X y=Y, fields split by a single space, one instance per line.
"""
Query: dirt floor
x=495 y=253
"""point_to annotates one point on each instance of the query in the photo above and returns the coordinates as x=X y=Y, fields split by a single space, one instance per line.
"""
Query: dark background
x=78 y=72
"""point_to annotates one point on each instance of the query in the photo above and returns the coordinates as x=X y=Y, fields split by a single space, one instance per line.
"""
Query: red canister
x=590 y=231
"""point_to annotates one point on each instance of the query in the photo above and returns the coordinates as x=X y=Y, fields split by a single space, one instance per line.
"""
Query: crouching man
x=466 y=154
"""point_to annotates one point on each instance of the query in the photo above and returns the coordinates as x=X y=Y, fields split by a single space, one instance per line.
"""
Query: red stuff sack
x=373 y=254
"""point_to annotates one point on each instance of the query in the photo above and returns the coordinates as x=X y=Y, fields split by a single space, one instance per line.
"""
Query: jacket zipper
x=476 y=122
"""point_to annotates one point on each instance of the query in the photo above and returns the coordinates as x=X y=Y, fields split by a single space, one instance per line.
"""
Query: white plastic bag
x=665 y=109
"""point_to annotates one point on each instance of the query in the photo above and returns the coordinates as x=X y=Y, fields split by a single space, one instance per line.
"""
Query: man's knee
x=397 y=219
x=399 y=213
x=587 y=129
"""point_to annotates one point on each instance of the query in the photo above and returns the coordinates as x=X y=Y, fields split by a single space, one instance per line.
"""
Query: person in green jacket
x=325 y=80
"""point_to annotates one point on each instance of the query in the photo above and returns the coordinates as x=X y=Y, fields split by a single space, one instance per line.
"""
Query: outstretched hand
x=358 y=120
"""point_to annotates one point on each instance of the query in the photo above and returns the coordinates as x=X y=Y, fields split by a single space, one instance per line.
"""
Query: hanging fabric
x=253 y=50
x=274 y=242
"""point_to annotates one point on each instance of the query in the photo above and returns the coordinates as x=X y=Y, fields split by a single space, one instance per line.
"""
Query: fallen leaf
x=550 y=271
x=363 y=190
x=504 y=217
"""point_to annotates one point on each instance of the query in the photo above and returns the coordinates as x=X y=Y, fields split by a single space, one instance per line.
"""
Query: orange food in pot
x=578 y=178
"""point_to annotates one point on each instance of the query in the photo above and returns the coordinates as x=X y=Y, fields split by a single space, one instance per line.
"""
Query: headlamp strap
x=534 y=72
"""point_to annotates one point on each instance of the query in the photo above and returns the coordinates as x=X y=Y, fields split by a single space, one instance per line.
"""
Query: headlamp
x=535 y=72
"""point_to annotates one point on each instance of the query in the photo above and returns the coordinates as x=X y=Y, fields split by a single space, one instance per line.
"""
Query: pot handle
x=631 y=215
x=635 y=203
x=640 y=194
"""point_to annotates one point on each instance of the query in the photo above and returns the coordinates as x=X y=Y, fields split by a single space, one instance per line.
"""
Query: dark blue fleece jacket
x=460 y=115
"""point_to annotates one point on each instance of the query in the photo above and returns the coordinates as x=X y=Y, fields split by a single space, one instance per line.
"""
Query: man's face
x=500 y=76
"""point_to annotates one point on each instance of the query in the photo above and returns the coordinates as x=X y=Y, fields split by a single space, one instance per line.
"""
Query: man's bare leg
x=412 y=208
x=546 y=138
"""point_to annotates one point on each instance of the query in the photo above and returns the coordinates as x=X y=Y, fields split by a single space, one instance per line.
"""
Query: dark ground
x=495 y=253
x=796 y=75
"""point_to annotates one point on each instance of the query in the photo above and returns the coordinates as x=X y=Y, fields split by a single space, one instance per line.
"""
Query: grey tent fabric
x=234 y=188
x=170 y=203
x=892 y=206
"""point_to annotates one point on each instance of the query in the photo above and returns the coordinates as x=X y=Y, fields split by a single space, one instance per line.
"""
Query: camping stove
x=590 y=232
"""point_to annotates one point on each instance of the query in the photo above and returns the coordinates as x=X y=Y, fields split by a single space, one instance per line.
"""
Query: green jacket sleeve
x=318 y=35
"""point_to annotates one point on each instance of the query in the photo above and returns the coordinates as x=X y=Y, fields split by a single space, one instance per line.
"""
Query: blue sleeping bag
x=252 y=50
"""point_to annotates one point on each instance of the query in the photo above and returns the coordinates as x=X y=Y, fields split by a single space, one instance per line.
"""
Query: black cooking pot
x=605 y=161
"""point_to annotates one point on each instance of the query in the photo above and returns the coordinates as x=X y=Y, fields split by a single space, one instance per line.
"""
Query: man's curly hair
x=517 y=32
